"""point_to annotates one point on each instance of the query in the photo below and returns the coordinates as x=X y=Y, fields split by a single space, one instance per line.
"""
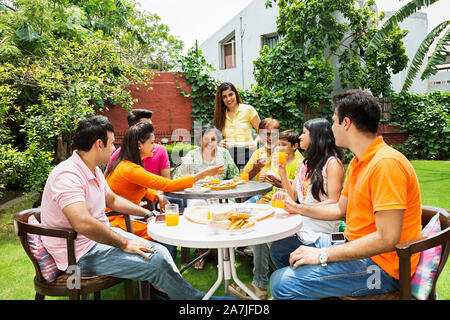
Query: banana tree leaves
x=422 y=52
x=27 y=34
x=438 y=57
x=401 y=14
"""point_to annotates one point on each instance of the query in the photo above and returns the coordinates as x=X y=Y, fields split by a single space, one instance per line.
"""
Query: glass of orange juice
x=244 y=175
x=278 y=197
x=282 y=157
x=172 y=214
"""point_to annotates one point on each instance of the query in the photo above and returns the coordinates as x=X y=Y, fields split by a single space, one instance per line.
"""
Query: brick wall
x=171 y=110
x=391 y=135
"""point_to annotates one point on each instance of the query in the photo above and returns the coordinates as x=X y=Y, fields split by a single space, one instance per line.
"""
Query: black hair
x=129 y=150
x=290 y=135
x=220 y=108
x=136 y=115
x=90 y=130
x=322 y=146
x=360 y=107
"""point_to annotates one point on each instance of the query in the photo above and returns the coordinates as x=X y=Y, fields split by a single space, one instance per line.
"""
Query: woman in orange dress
x=127 y=178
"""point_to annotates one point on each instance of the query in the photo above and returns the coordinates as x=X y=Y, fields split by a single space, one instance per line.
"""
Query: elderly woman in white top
x=209 y=154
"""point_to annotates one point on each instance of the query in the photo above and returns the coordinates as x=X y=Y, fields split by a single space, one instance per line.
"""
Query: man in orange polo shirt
x=381 y=203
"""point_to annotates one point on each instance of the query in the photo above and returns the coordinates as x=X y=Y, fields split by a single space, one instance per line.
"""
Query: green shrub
x=26 y=169
x=176 y=151
x=427 y=118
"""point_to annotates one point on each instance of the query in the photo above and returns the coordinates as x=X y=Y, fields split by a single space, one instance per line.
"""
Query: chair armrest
x=407 y=248
x=47 y=231
x=421 y=244
x=126 y=217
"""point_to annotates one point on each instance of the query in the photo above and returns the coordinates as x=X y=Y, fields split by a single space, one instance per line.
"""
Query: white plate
x=199 y=214
x=200 y=190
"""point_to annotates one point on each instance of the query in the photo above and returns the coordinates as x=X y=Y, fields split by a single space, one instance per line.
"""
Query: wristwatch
x=323 y=257
x=149 y=215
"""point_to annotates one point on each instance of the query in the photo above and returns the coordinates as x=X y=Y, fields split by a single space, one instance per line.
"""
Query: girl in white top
x=319 y=179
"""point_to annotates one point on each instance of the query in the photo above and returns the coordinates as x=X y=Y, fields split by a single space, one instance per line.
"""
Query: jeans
x=240 y=155
x=160 y=269
x=260 y=258
x=337 y=279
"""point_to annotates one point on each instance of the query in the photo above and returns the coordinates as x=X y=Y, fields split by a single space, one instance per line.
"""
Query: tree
x=314 y=32
x=58 y=66
x=440 y=52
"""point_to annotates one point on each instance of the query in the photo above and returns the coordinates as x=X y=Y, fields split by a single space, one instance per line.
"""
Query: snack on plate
x=221 y=186
x=240 y=221
x=239 y=215
x=219 y=216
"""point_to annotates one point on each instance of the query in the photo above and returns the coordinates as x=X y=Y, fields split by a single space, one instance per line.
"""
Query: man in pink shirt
x=75 y=197
x=157 y=164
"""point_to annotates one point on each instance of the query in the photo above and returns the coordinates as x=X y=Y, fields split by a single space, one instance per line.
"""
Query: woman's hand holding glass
x=278 y=198
x=210 y=171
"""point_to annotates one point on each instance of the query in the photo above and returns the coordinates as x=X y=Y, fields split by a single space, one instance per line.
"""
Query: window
x=269 y=40
x=228 y=52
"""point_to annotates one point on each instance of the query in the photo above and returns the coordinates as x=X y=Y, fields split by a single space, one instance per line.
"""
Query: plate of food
x=224 y=185
x=257 y=213
x=197 y=190
x=209 y=215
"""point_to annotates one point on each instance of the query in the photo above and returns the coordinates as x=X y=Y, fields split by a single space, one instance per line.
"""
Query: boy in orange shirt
x=381 y=203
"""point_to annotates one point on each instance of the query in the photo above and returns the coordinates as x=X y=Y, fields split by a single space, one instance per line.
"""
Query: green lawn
x=16 y=277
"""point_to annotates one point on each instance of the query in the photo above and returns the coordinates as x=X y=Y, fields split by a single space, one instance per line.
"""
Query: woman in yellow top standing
x=235 y=120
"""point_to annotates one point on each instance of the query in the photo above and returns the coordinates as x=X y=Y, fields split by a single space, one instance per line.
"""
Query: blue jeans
x=160 y=269
x=260 y=258
x=337 y=279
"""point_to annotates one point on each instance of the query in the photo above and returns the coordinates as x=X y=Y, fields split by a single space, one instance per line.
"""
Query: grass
x=16 y=278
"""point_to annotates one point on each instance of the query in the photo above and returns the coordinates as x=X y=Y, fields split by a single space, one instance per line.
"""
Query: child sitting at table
x=288 y=143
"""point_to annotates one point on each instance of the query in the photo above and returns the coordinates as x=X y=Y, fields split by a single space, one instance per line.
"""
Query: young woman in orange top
x=127 y=178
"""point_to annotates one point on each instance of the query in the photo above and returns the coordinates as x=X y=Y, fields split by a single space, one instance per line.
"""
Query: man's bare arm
x=387 y=235
x=120 y=204
x=384 y=239
x=83 y=223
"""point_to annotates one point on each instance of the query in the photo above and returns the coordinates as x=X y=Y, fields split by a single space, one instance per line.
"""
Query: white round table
x=195 y=235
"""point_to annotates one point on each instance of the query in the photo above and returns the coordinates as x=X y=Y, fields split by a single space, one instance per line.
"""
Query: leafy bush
x=28 y=169
x=177 y=150
x=427 y=118
x=59 y=62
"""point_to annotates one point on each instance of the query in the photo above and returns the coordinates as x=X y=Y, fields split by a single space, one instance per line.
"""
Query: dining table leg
x=236 y=278
x=226 y=270
x=220 y=273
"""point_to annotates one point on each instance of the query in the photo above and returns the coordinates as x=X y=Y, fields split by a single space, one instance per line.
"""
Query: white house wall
x=257 y=21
